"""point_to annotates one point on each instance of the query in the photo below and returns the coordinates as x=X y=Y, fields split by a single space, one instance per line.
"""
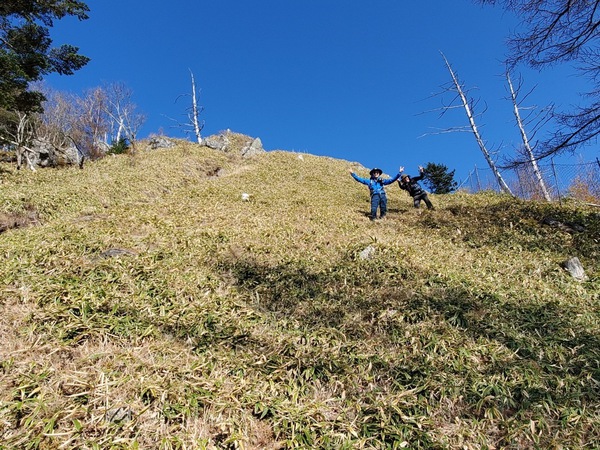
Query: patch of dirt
x=8 y=221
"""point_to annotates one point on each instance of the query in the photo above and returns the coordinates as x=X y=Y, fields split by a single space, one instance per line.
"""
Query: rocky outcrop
x=234 y=143
x=156 y=142
x=45 y=154
x=254 y=148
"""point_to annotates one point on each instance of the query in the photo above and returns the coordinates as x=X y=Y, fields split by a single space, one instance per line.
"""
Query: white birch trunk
x=526 y=144
x=195 y=111
x=24 y=133
x=120 y=129
x=503 y=186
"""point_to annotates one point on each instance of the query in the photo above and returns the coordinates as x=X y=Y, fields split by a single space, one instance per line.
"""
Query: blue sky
x=341 y=78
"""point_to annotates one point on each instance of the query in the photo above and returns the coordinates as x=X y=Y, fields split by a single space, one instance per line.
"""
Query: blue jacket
x=375 y=184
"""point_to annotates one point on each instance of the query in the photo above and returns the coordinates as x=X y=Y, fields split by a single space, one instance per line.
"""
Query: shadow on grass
x=325 y=298
x=527 y=225
x=352 y=296
x=546 y=338
x=543 y=334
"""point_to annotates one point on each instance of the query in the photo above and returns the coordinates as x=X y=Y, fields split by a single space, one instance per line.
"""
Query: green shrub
x=119 y=147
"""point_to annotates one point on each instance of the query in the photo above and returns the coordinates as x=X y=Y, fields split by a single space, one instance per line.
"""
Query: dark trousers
x=378 y=201
x=417 y=200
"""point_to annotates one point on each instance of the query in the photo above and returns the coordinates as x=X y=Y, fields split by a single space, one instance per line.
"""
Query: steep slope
x=153 y=307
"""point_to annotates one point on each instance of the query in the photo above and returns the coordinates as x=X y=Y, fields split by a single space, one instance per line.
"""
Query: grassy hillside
x=147 y=306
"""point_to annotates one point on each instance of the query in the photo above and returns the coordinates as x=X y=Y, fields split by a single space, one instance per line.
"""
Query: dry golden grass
x=151 y=307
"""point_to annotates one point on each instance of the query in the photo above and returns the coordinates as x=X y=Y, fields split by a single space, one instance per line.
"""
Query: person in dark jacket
x=412 y=186
x=376 y=189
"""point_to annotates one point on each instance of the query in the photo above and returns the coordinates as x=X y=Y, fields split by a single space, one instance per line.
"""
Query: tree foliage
x=26 y=51
x=438 y=179
x=555 y=31
x=119 y=147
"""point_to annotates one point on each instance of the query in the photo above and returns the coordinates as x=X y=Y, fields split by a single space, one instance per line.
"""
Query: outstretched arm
x=392 y=180
x=357 y=178
x=420 y=176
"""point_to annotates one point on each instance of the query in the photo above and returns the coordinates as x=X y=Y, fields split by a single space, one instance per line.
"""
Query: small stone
x=575 y=268
x=121 y=414
x=367 y=253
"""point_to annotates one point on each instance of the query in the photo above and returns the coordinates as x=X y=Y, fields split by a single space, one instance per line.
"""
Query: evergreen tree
x=26 y=52
x=119 y=147
x=438 y=180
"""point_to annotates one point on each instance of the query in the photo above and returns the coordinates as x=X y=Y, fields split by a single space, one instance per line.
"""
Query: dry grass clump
x=152 y=307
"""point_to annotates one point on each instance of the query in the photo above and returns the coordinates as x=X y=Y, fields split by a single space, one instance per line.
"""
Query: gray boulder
x=254 y=148
x=46 y=154
x=234 y=143
x=156 y=142
x=217 y=142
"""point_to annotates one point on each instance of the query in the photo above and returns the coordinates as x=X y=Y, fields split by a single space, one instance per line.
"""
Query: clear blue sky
x=341 y=78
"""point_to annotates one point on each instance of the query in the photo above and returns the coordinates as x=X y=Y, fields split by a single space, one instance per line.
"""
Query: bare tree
x=73 y=127
x=93 y=121
x=59 y=119
x=70 y=120
x=195 y=113
x=22 y=139
x=468 y=108
x=131 y=125
x=89 y=123
x=17 y=130
x=561 y=31
x=62 y=125
x=526 y=143
x=193 y=124
x=124 y=120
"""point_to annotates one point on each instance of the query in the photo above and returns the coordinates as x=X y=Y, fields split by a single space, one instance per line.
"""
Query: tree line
x=551 y=32
x=101 y=120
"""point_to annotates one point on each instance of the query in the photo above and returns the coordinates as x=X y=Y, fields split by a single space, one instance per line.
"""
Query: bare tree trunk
x=475 y=131
x=23 y=151
x=19 y=139
x=526 y=144
x=195 y=112
x=121 y=111
x=29 y=163
x=120 y=130
x=193 y=123
x=23 y=135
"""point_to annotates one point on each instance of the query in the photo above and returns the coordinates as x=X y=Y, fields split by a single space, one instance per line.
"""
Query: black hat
x=375 y=170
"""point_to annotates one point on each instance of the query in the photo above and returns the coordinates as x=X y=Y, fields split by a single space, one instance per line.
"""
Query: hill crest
x=152 y=306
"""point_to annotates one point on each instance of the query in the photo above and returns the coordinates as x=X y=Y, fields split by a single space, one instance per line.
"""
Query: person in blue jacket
x=414 y=189
x=376 y=189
